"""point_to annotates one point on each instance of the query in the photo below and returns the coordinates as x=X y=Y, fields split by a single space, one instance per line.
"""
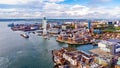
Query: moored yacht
x=25 y=35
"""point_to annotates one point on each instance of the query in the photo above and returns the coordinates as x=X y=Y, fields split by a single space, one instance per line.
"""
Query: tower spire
x=44 y=26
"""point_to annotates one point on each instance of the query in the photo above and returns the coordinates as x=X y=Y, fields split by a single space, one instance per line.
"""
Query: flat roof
x=114 y=40
x=100 y=52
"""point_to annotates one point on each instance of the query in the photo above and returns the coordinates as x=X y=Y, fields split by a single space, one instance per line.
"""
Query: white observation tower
x=44 y=26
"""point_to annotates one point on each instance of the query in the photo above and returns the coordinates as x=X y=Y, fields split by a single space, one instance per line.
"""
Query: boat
x=38 y=32
x=33 y=32
x=25 y=35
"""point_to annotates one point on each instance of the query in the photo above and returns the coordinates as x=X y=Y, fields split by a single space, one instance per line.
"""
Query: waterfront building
x=33 y=27
x=70 y=39
x=112 y=46
x=75 y=59
x=54 y=31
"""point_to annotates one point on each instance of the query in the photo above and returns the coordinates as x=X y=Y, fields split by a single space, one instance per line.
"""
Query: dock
x=58 y=40
x=72 y=43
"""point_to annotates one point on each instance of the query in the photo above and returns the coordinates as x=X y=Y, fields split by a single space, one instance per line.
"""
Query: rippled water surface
x=35 y=52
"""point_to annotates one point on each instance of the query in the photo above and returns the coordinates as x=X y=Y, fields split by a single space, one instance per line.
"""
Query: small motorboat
x=38 y=33
x=25 y=35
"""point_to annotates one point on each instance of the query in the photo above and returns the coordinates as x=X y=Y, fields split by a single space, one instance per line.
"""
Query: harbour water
x=35 y=52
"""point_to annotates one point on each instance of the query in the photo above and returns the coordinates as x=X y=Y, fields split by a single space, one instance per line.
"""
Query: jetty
x=72 y=43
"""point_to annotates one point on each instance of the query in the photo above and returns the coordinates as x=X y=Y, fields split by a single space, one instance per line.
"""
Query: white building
x=117 y=24
x=70 y=59
x=68 y=22
x=54 y=30
x=111 y=45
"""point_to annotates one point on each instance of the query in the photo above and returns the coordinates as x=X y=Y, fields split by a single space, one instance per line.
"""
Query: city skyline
x=60 y=9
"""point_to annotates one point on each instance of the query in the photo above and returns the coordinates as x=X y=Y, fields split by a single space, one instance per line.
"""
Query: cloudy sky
x=60 y=8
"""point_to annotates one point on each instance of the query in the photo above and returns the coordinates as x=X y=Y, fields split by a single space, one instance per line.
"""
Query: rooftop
x=100 y=52
x=114 y=40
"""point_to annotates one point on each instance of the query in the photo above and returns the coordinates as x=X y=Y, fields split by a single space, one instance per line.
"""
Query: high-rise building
x=89 y=24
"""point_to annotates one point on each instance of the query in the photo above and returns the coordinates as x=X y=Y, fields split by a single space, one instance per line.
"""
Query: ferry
x=24 y=35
